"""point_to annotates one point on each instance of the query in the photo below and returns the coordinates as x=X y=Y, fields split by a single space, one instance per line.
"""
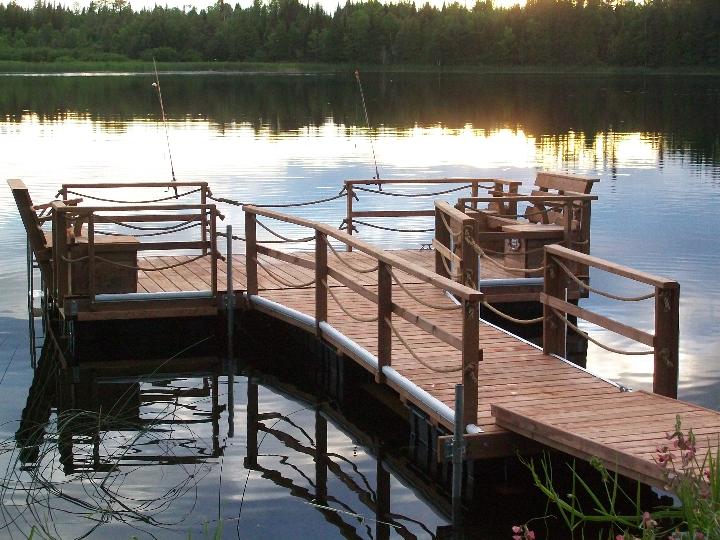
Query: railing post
x=474 y=192
x=321 y=276
x=203 y=224
x=229 y=300
x=553 y=332
x=213 y=249
x=471 y=356
x=60 y=252
x=667 y=328
x=442 y=235
x=251 y=253
x=384 y=313
x=91 y=256
x=349 y=211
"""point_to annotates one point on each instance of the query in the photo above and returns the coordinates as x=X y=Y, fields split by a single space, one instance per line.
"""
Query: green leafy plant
x=694 y=482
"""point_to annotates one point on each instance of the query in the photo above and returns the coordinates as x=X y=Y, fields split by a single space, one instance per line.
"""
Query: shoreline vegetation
x=290 y=36
x=139 y=67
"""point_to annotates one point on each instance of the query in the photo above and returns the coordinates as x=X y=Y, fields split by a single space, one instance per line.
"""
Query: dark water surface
x=653 y=141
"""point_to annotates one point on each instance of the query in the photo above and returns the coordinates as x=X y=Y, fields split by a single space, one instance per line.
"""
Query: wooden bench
x=109 y=278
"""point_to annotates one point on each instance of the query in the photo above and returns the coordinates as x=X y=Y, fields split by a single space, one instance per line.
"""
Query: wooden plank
x=392 y=213
x=384 y=314
x=667 y=331
x=379 y=254
x=624 y=271
x=565 y=182
x=445 y=252
x=619 y=328
x=321 y=278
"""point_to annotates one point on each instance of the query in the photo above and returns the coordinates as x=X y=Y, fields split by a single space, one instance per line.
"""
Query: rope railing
x=241 y=239
x=449 y=271
x=138 y=228
x=285 y=239
x=483 y=255
x=392 y=229
x=158 y=233
x=450 y=230
x=420 y=300
x=414 y=195
x=606 y=294
x=407 y=346
x=234 y=202
x=145 y=269
x=283 y=281
x=359 y=318
x=120 y=201
x=587 y=336
x=351 y=266
x=510 y=317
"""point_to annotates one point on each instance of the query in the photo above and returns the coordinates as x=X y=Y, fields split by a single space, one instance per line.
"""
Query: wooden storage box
x=109 y=278
x=524 y=251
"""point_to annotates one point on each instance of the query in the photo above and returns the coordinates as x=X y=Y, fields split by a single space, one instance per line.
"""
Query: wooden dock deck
x=411 y=317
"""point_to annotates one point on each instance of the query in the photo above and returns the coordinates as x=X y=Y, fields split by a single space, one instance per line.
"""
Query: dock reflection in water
x=121 y=448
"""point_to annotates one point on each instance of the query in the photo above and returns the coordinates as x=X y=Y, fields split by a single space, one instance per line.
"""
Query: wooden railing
x=71 y=252
x=386 y=263
x=454 y=254
x=353 y=187
x=516 y=245
x=666 y=294
x=180 y=190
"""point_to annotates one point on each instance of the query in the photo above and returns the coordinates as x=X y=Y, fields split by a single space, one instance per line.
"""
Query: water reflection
x=119 y=448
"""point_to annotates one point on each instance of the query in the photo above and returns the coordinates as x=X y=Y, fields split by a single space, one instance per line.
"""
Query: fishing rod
x=367 y=122
x=156 y=84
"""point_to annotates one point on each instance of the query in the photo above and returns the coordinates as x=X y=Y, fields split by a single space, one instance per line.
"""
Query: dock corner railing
x=384 y=265
x=663 y=343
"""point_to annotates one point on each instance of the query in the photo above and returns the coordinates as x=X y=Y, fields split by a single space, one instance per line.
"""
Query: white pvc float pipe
x=431 y=403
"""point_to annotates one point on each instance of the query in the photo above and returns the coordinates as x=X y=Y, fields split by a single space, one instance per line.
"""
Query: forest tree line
x=542 y=33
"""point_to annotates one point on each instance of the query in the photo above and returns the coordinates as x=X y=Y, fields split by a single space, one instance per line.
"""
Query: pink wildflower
x=647 y=521
x=517 y=529
x=529 y=535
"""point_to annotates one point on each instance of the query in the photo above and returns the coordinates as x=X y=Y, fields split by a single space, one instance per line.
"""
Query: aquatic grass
x=694 y=484
x=34 y=493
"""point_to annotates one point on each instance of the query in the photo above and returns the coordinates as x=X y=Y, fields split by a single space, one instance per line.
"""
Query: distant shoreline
x=287 y=68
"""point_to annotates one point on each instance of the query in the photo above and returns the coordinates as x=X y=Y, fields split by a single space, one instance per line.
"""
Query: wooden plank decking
x=521 y=389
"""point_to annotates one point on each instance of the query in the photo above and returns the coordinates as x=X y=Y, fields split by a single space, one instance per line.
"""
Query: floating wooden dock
x=411 y=317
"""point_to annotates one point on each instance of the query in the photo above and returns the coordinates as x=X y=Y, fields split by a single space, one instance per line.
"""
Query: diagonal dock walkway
x=521 y=390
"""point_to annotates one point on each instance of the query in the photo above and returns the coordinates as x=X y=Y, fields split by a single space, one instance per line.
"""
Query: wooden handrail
x=106 y=185
x=528 y=198
x=470 y=298
x=666 y=295
x=134 y=207
x=375 y=252
x=613 y=268
x=430 y=181
x=63 y=216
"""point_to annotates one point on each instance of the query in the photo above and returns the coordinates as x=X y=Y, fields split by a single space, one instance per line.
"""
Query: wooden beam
x=384 y=311
x=667 y=330
x=321 y=276
x=602 y=264
x=381 y=255
x=619 y=328
x=251 y=253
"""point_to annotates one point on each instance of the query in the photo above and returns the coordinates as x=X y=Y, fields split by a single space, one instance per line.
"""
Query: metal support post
x=458 y=458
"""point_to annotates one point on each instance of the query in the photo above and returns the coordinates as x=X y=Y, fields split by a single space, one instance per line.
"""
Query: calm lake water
x=653 y=141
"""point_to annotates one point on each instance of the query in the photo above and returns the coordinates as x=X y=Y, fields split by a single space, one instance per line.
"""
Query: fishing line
x=156 y=84
x=367 y=122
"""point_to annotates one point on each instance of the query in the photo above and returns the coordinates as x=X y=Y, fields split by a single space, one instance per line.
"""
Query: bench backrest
x=36 y=236
x=555 y=183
